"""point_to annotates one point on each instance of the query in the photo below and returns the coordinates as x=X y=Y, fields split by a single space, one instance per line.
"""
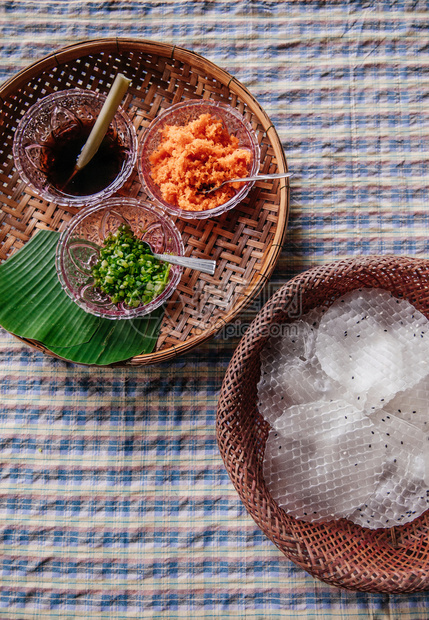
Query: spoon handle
x=256 y=177
x=261 y=177
x=200 y=264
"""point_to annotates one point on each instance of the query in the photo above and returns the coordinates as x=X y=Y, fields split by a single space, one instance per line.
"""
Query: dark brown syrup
x=99 y=172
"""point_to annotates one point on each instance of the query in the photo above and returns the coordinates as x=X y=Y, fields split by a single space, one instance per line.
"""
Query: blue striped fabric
x=114 y=501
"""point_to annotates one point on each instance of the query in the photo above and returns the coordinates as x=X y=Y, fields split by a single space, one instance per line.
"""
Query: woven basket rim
x=293 y=537
x=124 y=45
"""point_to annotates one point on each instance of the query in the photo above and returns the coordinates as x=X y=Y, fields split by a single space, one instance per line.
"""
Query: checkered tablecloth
x=114 y=501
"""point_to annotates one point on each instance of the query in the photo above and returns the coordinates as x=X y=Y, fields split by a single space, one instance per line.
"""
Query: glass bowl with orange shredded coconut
x=194 y=146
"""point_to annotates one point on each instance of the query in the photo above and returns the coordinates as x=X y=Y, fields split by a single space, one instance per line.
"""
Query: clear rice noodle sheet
x=345 y=390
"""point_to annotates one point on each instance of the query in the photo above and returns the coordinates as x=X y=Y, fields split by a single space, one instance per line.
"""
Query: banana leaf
x=32 y=302
x=33 y=305
x=115 y=341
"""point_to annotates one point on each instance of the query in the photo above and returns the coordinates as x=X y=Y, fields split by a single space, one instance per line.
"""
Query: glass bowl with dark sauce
x=50 y=137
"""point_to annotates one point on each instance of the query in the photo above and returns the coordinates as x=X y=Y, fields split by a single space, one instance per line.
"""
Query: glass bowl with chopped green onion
x=105 y=263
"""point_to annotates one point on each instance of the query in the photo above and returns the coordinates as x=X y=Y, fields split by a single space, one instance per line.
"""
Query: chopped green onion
x=127 y=271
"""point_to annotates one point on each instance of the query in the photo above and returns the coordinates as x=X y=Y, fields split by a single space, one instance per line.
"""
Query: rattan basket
x=340 y=553
x=245 y=242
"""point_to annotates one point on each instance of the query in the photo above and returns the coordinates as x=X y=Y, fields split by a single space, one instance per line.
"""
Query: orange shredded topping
x=198 y=156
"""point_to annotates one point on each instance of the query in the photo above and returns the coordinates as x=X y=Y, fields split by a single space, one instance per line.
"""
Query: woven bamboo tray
x=245 y=242
x=340 y=553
